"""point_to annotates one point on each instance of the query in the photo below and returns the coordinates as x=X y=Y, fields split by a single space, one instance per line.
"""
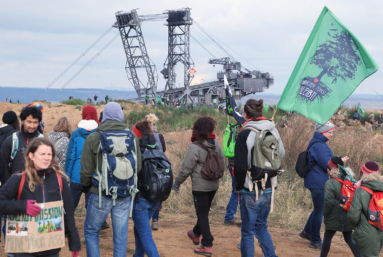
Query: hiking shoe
x=155 y=224
x=305 y=235
x=315 y=245
x=193 y=237
x=105 y=226
x=229 y=222
x=204 y=250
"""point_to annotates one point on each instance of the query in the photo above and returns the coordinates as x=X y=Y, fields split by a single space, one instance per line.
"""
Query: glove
x=175 y=187
x=75 y=253
x=85 y=189
x=32 y=209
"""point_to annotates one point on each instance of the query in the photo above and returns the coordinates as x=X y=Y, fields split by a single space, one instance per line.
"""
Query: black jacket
x=6 y=131
x=19 y=160
x=50 y=191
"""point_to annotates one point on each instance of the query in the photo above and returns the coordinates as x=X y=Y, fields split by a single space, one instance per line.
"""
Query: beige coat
x=192 y=165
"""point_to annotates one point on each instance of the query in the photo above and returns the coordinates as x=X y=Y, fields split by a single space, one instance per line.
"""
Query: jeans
x=315 y=220
x=232 y=205
x=156 y=214
x=95 y=218
x=202 y=203
x=254 y=223
x=143 y=210
x=75 y=190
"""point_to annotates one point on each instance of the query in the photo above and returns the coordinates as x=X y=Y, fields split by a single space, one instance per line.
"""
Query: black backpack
x=155 y=179
x=302 y=166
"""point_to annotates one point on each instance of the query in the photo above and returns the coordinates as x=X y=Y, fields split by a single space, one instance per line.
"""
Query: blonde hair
x=151 y=118
x=30 y=171
x=63 y=125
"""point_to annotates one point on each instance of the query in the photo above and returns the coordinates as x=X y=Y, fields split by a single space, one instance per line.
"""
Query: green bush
x=74 y=102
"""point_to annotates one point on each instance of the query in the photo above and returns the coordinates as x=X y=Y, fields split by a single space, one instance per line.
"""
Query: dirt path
x=172 y=241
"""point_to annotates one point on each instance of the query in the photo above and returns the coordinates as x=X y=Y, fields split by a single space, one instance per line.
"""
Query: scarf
x=136 y=131
x=252 y=119
x=211 y=136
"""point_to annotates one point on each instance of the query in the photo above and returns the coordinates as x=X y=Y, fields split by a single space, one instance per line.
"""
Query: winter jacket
x=19 y=160
x=49 y=191
x=91 y=149
x=366 y=236
x=319 y=154
x=192 y=166
x=356 y=116
x=60 y=140
x=335 y=218
x=75 y=146
x=6 y=131
x=371 y=118
x=241 y=152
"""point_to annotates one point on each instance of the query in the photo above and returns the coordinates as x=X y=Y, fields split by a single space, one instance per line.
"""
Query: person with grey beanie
x=319 y=154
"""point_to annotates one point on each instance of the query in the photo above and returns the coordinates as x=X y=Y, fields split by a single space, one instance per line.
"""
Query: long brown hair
x=144 y=128
x=30 y=171
x=63 y=125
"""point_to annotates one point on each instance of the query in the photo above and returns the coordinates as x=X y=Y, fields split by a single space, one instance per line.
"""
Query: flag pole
x=275 y=111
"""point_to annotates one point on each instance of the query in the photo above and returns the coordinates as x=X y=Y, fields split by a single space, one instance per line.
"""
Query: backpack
x=15 y=148
x=156 y=176
x=22 y=182
x=118 y=176
x=375 y=208
x=229 y=139
x=265 y=161
x=346 y=193
x=302 y=166
x=214 y=165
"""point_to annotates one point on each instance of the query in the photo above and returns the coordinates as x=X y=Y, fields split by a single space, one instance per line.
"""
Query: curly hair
x=144 y=128
x=253 y=108
x=35 y=112
x=151 y=118
x=203 y=127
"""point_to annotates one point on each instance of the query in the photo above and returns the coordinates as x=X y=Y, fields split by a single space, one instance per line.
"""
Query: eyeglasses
x=329 y=132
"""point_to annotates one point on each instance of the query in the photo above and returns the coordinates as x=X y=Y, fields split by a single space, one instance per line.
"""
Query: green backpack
x=229 y=139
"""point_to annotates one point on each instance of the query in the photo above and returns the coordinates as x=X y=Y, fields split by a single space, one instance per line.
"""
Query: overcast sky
x=39 y=39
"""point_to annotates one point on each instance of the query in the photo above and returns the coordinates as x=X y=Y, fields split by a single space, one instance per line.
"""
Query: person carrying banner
x=42 y=177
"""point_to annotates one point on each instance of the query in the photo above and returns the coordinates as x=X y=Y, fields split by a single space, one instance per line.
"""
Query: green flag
x=266 y=108
x=331 y=66
x=361 y=111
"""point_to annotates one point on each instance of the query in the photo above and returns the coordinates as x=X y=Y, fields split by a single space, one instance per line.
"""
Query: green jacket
x=191 y=168
x=366 y=236
x=335 y=218
x=90 y=151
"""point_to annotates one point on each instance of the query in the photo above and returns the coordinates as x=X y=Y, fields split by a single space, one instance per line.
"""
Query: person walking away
x=143 y=209
x=12 y=157
x=380 y=121
x=10 y=101
x=59 y=136
x=95 y=98
x=153 y=103
x=10 y=125
x=232 y=205
x=335 y=217
x=153 y=119
x=41 y=108
x=106 y=99
x=319 y=155
x=146 y=100
x=254 y=210
x=42 y=176
x=91 y=159
x=371 y=118
x=86 y=126
x=356 y=115
x=203 y=190
x=367 y=236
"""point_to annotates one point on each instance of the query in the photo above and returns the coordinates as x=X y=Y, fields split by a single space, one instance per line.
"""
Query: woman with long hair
x=60 y=138
x=203 y=190
x=42 y=174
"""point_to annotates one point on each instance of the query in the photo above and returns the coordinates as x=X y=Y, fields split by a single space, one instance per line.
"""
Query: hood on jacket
x=88 y=125
x=335 y=173
x=56 y=136
x=4 y=128
x=111 y=125
x=373 y=181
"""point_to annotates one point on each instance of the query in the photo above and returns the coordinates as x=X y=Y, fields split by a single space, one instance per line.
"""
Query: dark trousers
x=75 y=190
x=314 y=222
x=202 y=203
x=328 y=235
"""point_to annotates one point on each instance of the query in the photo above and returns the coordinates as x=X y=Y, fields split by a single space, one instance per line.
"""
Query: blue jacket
x=319 y=154
x=74 y=151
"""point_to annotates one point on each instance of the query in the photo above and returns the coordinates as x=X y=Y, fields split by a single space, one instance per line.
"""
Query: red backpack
x=375 y=208
x=346 y=194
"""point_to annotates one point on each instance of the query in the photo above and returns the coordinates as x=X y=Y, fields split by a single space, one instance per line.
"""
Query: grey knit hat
x=324 y=128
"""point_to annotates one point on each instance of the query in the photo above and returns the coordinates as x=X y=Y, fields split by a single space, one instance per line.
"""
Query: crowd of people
x=79 y=159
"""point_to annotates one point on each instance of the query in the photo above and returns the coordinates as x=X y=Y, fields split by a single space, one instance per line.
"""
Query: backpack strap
x=308 y=149
x=250 y=141
x=21 y=185
x=60 y=180
x=338 y=179
x=15 y=147
x=367 y=189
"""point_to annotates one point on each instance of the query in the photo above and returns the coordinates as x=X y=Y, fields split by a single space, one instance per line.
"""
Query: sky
x=40 y=39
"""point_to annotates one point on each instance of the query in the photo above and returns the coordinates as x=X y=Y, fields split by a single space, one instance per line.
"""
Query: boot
x=193 y=237
x=204 y=250
x=154 y=224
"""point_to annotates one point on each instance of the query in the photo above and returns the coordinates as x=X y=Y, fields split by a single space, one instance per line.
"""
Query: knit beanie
x=90 y=113
x=112 y=111
x=334 y=162
x=37 y=105
x=10 y=117
x=369 y=167
x=324 y=128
